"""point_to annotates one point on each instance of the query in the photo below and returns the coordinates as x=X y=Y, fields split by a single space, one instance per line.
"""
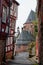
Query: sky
x=23 y=11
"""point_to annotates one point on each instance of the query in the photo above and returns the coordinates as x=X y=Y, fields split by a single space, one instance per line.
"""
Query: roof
x=31 y=17
x=24 y=38
x=15 y=2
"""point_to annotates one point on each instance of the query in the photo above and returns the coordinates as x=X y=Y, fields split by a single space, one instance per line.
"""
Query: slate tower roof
x=31 y=17
x=24 y=38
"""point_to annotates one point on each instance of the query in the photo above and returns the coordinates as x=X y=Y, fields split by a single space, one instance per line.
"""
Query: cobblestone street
x=20 y=59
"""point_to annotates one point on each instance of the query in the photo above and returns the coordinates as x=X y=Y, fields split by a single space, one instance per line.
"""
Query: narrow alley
x=21 y=32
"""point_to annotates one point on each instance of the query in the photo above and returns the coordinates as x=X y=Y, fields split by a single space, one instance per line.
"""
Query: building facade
x=4 y=26
x=28 y=25
x=10 y=41
x=40 y=30
x=8 y=17
x=23 y=40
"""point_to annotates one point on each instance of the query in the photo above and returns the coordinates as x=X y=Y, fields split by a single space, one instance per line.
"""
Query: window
x=6 y=49
x=8 y=14
x=9 y=31
x=11 y=40
x=11 y=12
x=4 y=15
x=12 y=7
x=12 y=31
x=7 y=11
x=15 y=7
x=15 y=10
x=15 y=14
x=6 y=29
x=12 y=24
x=11 y=47
x=2 y=29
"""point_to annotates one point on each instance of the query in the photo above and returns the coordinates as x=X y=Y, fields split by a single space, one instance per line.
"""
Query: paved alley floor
x=20 y=59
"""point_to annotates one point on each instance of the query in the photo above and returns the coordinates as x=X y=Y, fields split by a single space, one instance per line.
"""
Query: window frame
x=6 y=30
x=2 y=29
x=11 y=12
x=4 y=13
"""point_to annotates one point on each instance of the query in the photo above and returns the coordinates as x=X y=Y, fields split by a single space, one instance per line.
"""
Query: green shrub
x=35 y=64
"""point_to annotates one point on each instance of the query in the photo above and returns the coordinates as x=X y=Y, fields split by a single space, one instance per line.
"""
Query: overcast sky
x=23 y=11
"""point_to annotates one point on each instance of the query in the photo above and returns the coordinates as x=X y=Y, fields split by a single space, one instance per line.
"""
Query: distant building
x=28 y=25
x=22 y=41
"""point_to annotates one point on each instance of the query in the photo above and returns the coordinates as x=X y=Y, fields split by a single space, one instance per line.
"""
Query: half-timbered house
x=10 y=41
x=4 y=26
